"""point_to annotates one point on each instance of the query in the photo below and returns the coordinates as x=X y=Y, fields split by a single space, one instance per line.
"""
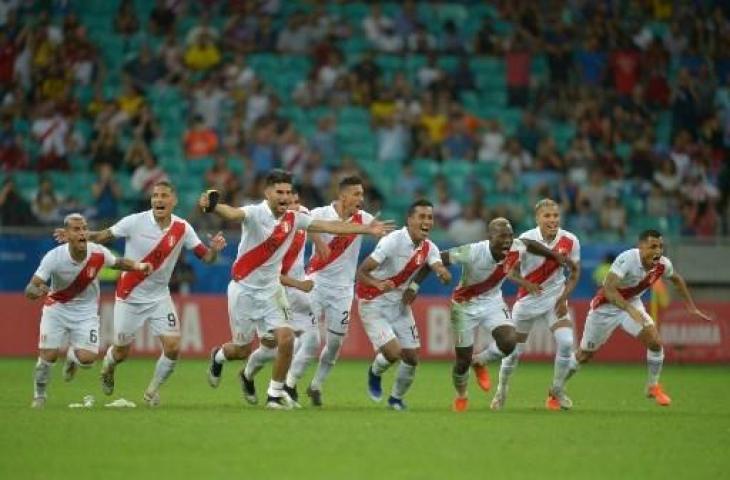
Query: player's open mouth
x=159 y=208
x=425 y=230
x=655 y=259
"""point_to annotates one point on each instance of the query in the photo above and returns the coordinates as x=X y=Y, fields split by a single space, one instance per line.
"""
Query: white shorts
x=526 y=317
x=130 y=317
x=83 y=333
x=249 y=313
x=384 y=322
x=334 y=305
x=467 y=317
x=600 y=325
x=301 y=310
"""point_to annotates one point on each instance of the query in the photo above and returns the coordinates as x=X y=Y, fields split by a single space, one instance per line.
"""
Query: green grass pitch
x=201 y=433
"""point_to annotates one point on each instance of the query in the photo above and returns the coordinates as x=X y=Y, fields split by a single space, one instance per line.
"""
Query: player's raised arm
x=36 y=288
x=689 y=302
x=514 y=275
x=208 y=202
x=101 y=236
x=132 y=266
x=216 y=245
x=376 y=227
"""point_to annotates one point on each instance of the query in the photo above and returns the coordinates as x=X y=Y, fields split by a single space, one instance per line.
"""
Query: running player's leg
x=523 y=325
x=128 y=318
x=165 y=324
x=463 y=327
x=383 y=338
x=306 y=347
x=51 y=336
x=240 y=309
x=406 y=331
x=265 y=353
x=336 y=312
x=565 y=361
x=83 y=346
x=278 y=320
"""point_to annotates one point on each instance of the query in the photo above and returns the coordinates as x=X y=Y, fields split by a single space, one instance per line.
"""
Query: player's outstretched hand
x=381 y=228
x=217 y=241
x=409 y=296
x=59 y=235
x=306 y=286
x=533 y=288
x=444 y=276
x=699 y=313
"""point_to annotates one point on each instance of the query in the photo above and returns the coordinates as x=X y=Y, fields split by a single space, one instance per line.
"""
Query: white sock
x=461 y=380
x=305 y=351
x=327 y=359
x=275 y=389
x=654 y=362
x=220 y=356
x=41 y=377
x=489 y=354
x=258 y=359
x=163 y=369
x=403 y=380
x=109 y=361
x=509 y=364
x=380 y=364
x=564 y=350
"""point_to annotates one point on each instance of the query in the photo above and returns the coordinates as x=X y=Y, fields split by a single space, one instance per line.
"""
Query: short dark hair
x=421 y=202
x=278 y=175
x=349 y=181
x=650 y=233
x=166 y=183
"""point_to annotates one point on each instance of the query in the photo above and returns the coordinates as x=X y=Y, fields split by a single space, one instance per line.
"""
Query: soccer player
x=71 y=306
x=156 y=236
x=304 y=324
x=618 y=303
x=548 y=305
x=478 y=301
x=256 y=299
x=332 y=267
x=382 y=280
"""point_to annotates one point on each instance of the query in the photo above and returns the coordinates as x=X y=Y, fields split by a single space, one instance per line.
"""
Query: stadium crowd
x=621 y=110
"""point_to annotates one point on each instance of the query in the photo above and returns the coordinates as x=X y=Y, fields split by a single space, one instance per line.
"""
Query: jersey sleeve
x=434 y=254
x=668 y=268
x=366 y=217
x=461 y=254
x=621 y=265
x=46 y=266
x=250 y=212
x=383 y=249
x=302 y=220
x=317 y=213
x=192 y=241
x=575 y=251
x=109 y=258
x=123 y=228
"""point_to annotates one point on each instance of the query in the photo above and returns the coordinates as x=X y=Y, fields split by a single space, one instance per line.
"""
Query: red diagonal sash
x=548 y=267
x=258 y=255
x=368 y=292
x=291 y=255
x=337 y=247
x=464 y=294
x=630 y=292
x=129 y=280
x=87 y=275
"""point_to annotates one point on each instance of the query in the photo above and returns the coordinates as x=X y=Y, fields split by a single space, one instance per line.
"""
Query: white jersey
x=544 y=271
x=142 y=236
x=257 y=227
x=296 y=271
x=634 y=279
x=393 y=253
x=58 y=266
x=481 y=275
x=339 y=273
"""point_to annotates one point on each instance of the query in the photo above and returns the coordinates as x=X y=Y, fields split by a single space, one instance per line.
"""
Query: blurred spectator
x=406 y=18
x=295 y=36
x=421 y=40
x=202 y=29
x=136 y=154
x=107 y=194
x=445 y=208
x=145 y=69
x=145 y=125
x=602 y=269
x=200 y=140
x=172 y=54
x=130 y=101
x=430 y=74
x=239 y=74
x=462 y=77
x=492 y=142
x=515 y=158
x=486 y=41
x=144 y=179
x=393 y=139
x=257 y=104
x=262 y=148
x=625 y=63
x=202 y=55
x=46 y=203
x=162 y=19
x=265 y=37
x=559 y=55
x=208 y=101
x=451 y=41
x=324 y=141
x=409 y=185
x=613 y=215
x=183 y=276
x=666 y=177
x=14 y=209
x=517 y=61
x=433 y=122
x=458 y=144
x=529 y=132
x=380 y=30
x=595 y=192
x=126 y=22
x=584 y=220
x=51 y=130
x=331 y=72
x=684 y=104
x=12 y=155
x=295 y=154
x=220 y=177
x=657 y=204
x=469 y=228
x=105 y=149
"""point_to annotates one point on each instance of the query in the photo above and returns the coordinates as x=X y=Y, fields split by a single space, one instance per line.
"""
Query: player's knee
x=86 y=358
x=584 y=356
x=654 y=344
x=121 y=353
x=409 y=357
x=285 y=338
x=564 y=341
x=171 y=348
x=49 y=355
x=461 y=366
x=507 y=345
